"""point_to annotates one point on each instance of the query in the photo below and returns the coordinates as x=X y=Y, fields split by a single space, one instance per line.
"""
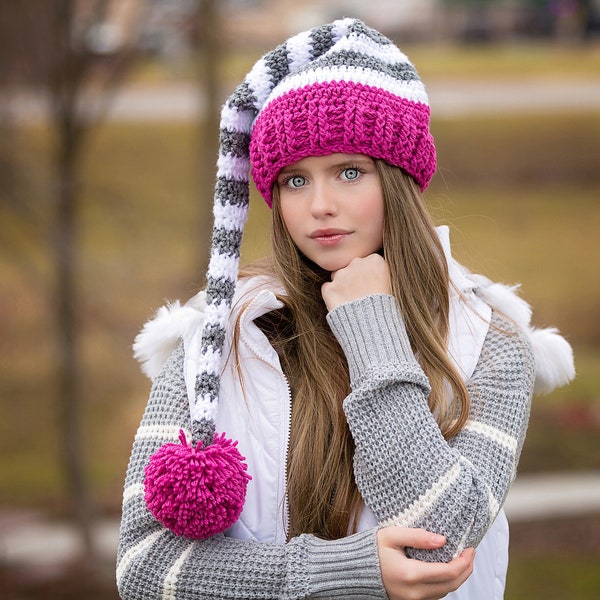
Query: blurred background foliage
x=105 y=212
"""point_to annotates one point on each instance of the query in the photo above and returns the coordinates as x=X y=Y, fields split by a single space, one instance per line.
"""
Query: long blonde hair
x=323 y=498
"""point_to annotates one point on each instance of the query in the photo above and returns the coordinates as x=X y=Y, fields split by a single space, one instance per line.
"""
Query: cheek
x=291 y=217
x=372 y=211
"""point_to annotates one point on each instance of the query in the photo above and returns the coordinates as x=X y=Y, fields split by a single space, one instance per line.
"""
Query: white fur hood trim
x=554 y=363
x=164 y=332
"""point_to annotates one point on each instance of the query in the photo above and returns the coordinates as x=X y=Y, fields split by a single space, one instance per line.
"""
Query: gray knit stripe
x=278 y=63
x=227 y=241
x=242 y=98
x=230 y=192
x=358 y=27
x=234 y=142
x=322 y=39
x=401 y=71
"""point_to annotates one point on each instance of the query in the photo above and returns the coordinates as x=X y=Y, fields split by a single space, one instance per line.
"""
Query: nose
x=323 y=200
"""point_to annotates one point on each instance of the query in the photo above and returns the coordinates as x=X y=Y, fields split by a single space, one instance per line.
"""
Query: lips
x=329 y=237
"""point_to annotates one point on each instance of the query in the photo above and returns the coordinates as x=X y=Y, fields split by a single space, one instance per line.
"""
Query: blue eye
x=296 y=181
x=350 y=173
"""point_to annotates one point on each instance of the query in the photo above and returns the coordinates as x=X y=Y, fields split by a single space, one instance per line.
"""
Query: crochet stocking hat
x=341 y=87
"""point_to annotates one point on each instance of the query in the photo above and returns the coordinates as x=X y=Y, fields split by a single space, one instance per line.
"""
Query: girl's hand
x=408 y=579
x=362 y=277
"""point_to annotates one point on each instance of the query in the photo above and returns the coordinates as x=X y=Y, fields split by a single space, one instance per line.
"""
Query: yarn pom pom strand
x=197 y=491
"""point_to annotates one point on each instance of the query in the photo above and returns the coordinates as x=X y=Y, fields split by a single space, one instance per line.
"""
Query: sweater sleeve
x=153 y=563
x=408 y=474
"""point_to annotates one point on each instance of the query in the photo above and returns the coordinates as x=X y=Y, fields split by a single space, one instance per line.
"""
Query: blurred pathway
x=449 y=99
x=30 y=540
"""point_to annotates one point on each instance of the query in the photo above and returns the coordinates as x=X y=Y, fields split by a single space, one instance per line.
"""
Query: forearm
x=153 y=561
x=408 y=474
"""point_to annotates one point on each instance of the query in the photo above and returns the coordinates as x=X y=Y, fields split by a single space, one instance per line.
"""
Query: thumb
x=415 y=538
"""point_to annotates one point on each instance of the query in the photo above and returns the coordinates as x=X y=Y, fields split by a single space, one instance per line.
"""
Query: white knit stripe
x=232 y=216
x=299 y=50
x=362 y=44
x=133 y=491
x=233 y=167
x=205 y=408
x=411 y=90
x=227 y=269
x=209 y=362
x=494 y=509
x=222 y=264
x=493 y=504
x=493 y=433
x=140 y=547
x=259 y=81
x=160 y=432
x=340 y=28
x=170 y=583
x=420 y=507
x=461 y=544
x=217 y=313
x=239 y=121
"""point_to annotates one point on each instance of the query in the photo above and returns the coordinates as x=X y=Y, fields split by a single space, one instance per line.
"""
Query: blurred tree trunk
x=65 y=86
x=209 y=48
x=75 y=112
x=50 y=52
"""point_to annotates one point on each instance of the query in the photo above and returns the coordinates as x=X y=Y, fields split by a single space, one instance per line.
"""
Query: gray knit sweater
x=406 y=472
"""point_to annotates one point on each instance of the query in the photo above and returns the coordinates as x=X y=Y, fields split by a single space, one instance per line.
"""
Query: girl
x=377 y=392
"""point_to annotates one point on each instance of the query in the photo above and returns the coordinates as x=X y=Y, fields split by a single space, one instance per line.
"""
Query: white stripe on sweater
x=170 y=583
x=493 y=433
x=167 y=433
x=133 y=491
x=420 y=507
x=140 y=547
x=493 y=504
x=209 y=361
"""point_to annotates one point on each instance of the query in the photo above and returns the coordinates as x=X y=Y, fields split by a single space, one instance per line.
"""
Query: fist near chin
x=360 y=278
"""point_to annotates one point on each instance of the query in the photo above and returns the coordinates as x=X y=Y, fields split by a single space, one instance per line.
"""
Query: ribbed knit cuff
x=345 y=568
x=371 y=333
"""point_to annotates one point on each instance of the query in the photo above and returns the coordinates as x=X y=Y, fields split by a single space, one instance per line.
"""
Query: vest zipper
x=287 y=426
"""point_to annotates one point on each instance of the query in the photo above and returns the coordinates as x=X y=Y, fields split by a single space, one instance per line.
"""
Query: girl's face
x=332 y=207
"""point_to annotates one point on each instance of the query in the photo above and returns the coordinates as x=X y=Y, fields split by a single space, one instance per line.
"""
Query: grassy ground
x=519 y=193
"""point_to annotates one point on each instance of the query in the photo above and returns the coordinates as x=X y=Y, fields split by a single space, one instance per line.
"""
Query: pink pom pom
x=197 y=492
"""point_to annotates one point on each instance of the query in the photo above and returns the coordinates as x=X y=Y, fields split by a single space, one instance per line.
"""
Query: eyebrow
x=352 y=160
